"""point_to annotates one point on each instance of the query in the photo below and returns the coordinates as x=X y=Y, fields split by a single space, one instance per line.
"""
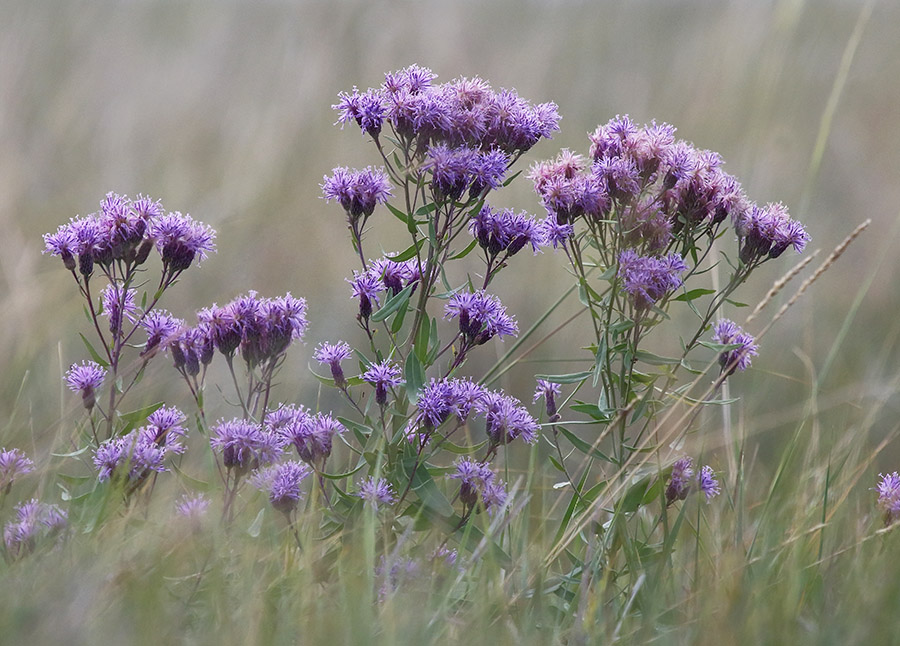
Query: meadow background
x=222 y=110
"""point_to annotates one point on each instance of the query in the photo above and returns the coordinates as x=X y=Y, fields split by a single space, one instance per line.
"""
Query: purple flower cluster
x=13 y=464
x=888 y=489
x=85 y=379
x=312 y=435
x=383 y=275
x=477 y=482
x=383 y=375
x=244 y=445
x=118 y=304
x=684 y=479
x=193 y=508
x=282 y=483
x=162 y=328
x=481 y=317
x=358 y=191
x=34 y=522
x=505 y=231
x=440 y=399
x=506 y=419
x=659 y=187
x=729 y=333
x=376 y=492
x=647 y=279
x=463 y=112
x=261 y=328
x=125 y=231
x=144 y=450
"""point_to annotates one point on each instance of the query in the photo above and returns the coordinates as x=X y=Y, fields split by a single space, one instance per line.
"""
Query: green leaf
x=736 y=303
x=136 y=417
x=393 y=304
x=465 y=252
x=583 y=446
x=72 y=454
x=400 y=215
x=570 y=378
x=194 y=482
x=341 y=476
x=694 y=294
x=256 y=525
x=94 y=355
x=414 y=374
x=425 y=488
x=655 y=359
x=634 y=497
x=594 y=411
x=408 y=253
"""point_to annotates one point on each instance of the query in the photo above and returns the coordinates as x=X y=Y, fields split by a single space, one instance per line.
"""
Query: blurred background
x=223 y=110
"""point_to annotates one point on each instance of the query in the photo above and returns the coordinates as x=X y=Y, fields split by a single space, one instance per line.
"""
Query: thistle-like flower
x=86 y=379
x=729 y=333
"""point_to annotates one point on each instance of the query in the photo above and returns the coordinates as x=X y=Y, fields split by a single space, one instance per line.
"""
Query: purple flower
x=85 y=379
x=452 y=169
x=729 y=333
x=377 y=492
x=282 y=483
x=765 y=232
x=504 y=231
x=167 y=423
x=64 y=243
x=312 y=436
x=143 y=451
x=647 y=279
x=680 y=481
x=548 y=390
x=366 y=109
x=34 y=522
x=435 y=403
x=506 y=419
x=358 y=191
x=244 y=445
x=481 y=316
x=160 y=327
x=888 y=489
x=383 y=375
x=13 y=464
x=193 y=508
x=707 y=483
x=473 y=477
x=366 y=288
x=332 y=354
x=394 y=276
x=179 y=239
x=118 y=304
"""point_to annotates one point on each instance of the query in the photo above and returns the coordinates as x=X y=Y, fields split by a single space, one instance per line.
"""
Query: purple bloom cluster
x=647 y=279
x=85 y=379
x=282 y=483
x=13 y=464
x=144 y=450
x=440 y=399
x=377 y=492
x=331 y=354
x=549 y=391
x=506 y=419
x=312 y=435
x=262 y=328
x=383 y=275
x=659 y=187
x=358 y=191
x=684 y=479
x=34 y=522
x=505 y=231
x=463 y=112
x=244 y=445
x=383 y=375
x=477 y=481
x=729 y=333
x=125 y=231
x=888 y=489
x=193 y=508
x=161 y=328
x=118 y=304
x=481 y=317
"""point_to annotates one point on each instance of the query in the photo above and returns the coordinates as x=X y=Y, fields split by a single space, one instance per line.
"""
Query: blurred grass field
x=222 y=110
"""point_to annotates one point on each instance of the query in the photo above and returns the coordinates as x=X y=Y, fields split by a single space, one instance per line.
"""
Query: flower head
x=244 y=445
x=331 y=354
x=34 y=522
x=647 y=279
x=282 y=483
x=499 y=231
x=85 y=379
x=13 y=464
x=358 y=191
x=481 y=316
x=888 y=489
x=383 y=375
x=180 y=239
x=707 y=483
x=729 y=333
x=680 y=481
x=506 y=419
x=193 y=508
x=312 y=435
x=377 y=492
x=549 y=391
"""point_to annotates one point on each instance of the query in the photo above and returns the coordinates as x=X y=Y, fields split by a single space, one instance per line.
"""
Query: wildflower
x=366 y=109
x=358 y=191
x=34 y=522
x=180 y=239
x=166 y=422
x=684 y=479
x=85 y=379
x=312 y=436
x=554 y=233
x=143 y=451
x=282 y=483
x=707 y=483
x=506 y=419
x=383 y=375
x=365 y=288
x=481 y=316
x=548 y=390
x=332 y=354
x=451 y=169
x=65 y=244
x=504 y=231
x=13 y=464
x=888 y=489
x=729 y=333
x=394 y=276
x=647 y=279
x=765 y=232
x=160 y=327
x=477 y=482
x=193 y=508
x=118 y=304
x=377 y=492
x=244 y=445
